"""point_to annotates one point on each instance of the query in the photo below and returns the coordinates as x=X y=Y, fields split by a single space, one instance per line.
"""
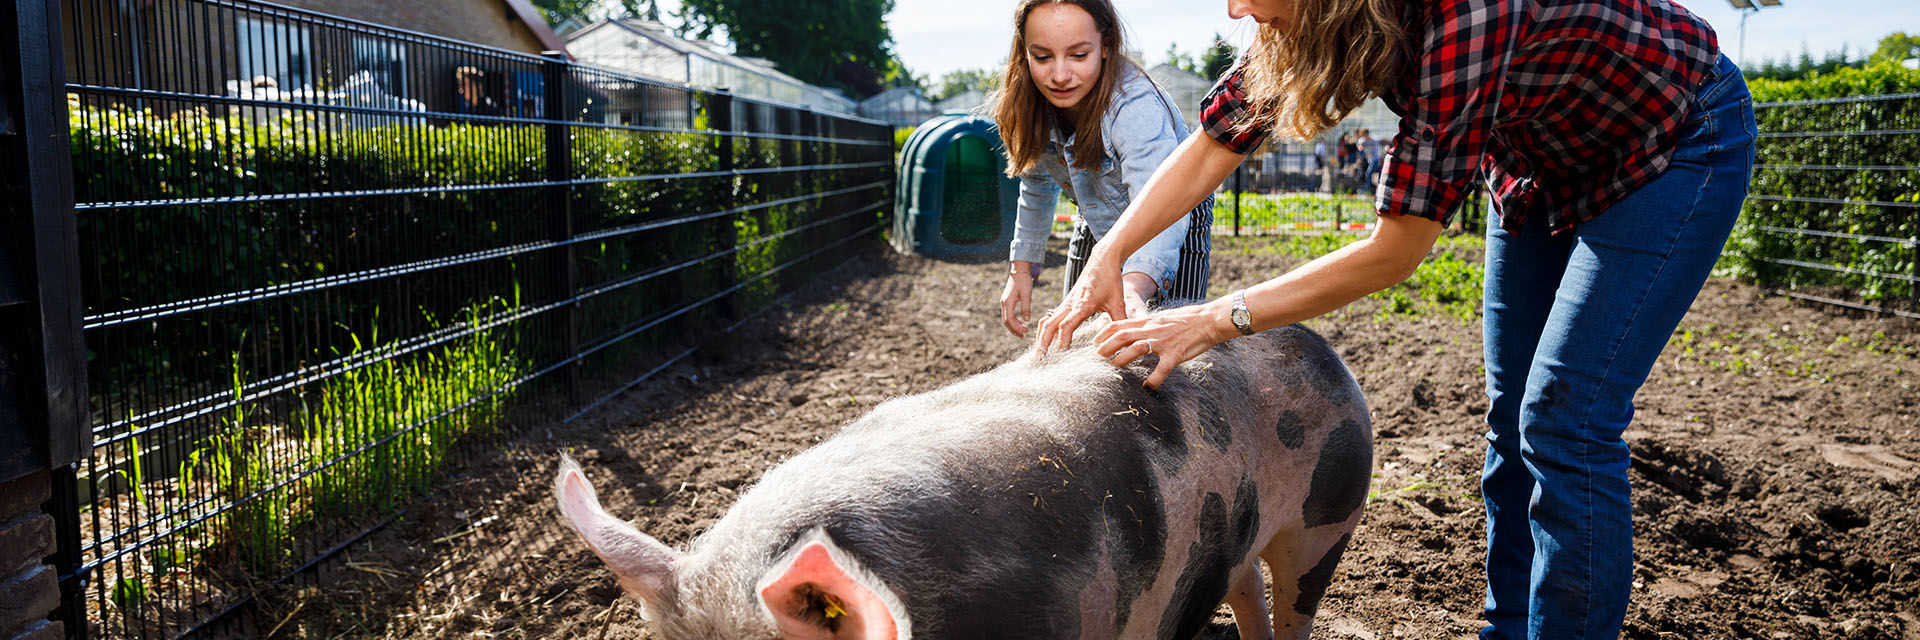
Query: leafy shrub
x=1859 y=172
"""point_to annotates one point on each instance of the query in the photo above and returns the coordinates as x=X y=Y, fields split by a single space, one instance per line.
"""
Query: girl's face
x=1064 y=53
x=1277 y=14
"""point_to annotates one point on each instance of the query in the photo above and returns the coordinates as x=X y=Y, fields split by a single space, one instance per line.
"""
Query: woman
x=1076 y=114
x=1617 y=141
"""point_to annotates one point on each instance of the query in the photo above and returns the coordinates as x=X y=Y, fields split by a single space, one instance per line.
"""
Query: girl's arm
x=1032 y=222
x=1033 y=219
x=1142 y=134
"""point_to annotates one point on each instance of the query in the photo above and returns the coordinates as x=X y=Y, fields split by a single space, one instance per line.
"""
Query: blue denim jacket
x=1141 y=128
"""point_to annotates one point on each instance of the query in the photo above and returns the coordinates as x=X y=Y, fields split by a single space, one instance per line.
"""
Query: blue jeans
x=1573 y=324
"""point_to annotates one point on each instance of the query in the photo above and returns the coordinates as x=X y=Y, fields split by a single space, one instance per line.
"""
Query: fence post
x=1238 y=173
x=43 y=394
x=720 y=120
x=1913 y=287
x=556 y=73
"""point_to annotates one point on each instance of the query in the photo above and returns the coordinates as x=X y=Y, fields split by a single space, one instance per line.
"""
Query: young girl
x=1077 y=115
x=1617 y=142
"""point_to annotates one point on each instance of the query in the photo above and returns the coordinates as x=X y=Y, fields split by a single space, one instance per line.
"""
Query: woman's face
x=1064 y=53
x=1277 y=14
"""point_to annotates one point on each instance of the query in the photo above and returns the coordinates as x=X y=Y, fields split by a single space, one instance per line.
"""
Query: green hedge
x=231 y=241
x=1786 y=166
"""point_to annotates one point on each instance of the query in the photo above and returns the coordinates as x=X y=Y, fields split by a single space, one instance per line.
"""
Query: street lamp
x=1747 y=8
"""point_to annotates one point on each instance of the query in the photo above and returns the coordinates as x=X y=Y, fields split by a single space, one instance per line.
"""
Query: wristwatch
x=1242 y=318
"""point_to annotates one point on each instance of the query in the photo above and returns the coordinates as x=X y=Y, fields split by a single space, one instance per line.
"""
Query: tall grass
x=366 y=440
x=379 y=433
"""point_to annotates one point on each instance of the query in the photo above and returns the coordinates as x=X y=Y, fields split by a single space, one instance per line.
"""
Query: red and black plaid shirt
x=1569 y=105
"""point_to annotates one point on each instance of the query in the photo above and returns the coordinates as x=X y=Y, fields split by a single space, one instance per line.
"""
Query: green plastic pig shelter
x=954 y=199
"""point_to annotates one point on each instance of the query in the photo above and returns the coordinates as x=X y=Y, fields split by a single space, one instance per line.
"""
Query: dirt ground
x=1777 y=491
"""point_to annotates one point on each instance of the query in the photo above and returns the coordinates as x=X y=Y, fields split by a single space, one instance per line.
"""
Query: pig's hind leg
x=1248 y=599
x=1302 y=563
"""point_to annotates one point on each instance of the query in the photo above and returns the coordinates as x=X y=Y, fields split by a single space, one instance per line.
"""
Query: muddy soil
x=1776 y=471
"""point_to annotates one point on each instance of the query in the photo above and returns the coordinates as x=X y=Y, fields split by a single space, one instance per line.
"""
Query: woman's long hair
x=1024 y=115
x=1339 y=54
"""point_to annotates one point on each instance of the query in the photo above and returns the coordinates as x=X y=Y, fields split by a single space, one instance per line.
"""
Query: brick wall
x=28 y=590
x=488 y=22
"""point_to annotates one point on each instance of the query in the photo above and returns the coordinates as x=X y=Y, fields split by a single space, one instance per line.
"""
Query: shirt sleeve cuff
x=1161 y=272
x=1035 y=252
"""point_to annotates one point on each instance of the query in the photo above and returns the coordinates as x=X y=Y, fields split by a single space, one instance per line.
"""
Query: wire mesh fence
x=1833 y=215
x=320 y=259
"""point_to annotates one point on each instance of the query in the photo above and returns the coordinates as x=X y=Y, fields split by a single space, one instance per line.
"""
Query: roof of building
x=664 y=36
x=963 y=101
x=530 y=16
x=899 y=94
x=1169 y=76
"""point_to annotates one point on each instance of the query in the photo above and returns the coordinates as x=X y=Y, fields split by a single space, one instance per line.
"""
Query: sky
x=934 y=37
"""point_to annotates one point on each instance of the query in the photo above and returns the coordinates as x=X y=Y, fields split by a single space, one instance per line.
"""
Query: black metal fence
x=1834 y=211
x=319 y=258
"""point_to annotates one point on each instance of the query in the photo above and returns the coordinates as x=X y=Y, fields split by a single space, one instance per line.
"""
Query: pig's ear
x=819 y=592
x=643 y=565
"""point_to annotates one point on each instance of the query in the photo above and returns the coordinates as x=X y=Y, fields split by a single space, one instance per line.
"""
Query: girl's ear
x=819 y=592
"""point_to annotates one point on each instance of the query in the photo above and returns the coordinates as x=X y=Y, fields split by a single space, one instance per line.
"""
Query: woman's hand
x=1176 y=335
x=1016 y=301
x=1099 y=290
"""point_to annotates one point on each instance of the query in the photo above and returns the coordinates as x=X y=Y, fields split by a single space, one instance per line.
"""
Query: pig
x=1051 y=497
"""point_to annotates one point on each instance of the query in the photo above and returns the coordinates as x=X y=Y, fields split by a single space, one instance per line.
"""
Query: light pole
x=1748 y=8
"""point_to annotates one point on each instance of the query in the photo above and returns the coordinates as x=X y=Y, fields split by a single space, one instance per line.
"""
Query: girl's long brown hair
x=1339 y=54
x=1025 y=117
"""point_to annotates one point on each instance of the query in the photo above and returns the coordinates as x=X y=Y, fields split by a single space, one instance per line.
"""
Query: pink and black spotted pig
x=1048 y=498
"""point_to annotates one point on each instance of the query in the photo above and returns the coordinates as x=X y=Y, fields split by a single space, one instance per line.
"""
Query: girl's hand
x=1098 y=290
x=1140 y=289
x=1175 y=335
x=1016 y=300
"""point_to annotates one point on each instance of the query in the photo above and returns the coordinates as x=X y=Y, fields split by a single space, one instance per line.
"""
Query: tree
x=846 y=45
x=1181 y=60
x=1897 y=47
x=1218 y=58
x=557 y=11
x=1803 y=65
x=957 y=82
x=897 y=75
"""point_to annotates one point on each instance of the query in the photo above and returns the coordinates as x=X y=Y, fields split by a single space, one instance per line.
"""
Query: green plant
x=1293 y=211
x=1448 y=282
x=1828 y=184
x=383 y=430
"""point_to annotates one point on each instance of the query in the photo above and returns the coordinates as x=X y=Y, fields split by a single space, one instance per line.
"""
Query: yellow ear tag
x=833 y=607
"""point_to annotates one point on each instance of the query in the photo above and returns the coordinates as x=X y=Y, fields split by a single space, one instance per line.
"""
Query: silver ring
x=1149 y=346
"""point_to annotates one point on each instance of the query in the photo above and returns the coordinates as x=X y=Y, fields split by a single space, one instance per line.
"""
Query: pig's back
x=988 y=503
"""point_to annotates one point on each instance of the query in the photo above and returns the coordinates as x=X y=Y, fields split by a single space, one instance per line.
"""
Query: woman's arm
x=1389 y=256
x=1181 y=183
